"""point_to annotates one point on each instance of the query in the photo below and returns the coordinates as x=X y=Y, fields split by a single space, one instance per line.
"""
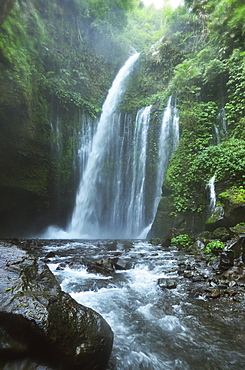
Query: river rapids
x=154 y=328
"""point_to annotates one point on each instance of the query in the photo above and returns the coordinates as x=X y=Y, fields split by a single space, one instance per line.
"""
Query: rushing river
x=154 y=328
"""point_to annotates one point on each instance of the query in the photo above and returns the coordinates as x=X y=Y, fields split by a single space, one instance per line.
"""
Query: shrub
x=181 y=241
x=214 y=246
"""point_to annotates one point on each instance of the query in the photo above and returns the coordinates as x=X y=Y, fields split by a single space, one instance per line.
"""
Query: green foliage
x=226 y=160
x=236 y=195
x=197 y=124
x=145 y=26
x=235 y=106
x=199 y=75
x=54 y=61
x=181 y=241
x=214 y=246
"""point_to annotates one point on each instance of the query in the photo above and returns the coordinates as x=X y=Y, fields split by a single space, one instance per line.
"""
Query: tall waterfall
x=123 y=161
x=91 y=208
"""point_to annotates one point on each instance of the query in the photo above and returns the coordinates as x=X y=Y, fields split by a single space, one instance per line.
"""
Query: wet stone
x=214 y=294
x=61 y=266
x=167 y=283
x=197 y=278
x=188 y=274
x=50 y=255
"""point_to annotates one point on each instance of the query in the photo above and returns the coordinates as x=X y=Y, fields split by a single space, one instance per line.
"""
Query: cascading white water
x=123 y=161
x=88 y=209
x=119 y=207
x=212 y=193
x=135 y=216
x=86 y=135
x=168 y=141
x=220 y=128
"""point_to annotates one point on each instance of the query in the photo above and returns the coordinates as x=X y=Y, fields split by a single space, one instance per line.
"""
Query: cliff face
x=54 y=66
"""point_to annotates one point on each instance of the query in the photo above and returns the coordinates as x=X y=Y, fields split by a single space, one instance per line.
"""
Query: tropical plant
x=182 y=240
x=214 y=246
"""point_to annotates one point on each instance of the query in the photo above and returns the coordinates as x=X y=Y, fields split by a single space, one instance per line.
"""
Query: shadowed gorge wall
x=53 y=66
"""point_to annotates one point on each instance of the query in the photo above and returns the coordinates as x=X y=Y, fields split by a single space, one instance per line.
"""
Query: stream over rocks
x=166 y=308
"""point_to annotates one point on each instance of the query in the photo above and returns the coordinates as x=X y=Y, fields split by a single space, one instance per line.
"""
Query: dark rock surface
x=39 y=321
x=167 y=283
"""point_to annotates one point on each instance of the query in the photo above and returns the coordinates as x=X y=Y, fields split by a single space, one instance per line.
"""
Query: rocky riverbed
x=164 y=286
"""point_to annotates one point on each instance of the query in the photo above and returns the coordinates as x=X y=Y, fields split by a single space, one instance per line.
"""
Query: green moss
x=235 y=195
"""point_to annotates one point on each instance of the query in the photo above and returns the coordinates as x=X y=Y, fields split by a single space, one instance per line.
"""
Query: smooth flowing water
x=154 y=328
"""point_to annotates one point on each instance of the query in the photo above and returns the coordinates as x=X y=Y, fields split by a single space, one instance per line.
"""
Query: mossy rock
x=221 y=233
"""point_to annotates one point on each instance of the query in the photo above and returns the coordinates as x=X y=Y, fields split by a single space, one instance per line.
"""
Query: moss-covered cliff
x=204 y=69
x=209 y=84
x=55 y=63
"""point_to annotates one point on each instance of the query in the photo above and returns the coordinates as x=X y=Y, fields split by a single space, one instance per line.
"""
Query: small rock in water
x=214 y=294
x=50 y=255
x=61 y=266
x=102 y=267
x=167 y=283
x=197 y=278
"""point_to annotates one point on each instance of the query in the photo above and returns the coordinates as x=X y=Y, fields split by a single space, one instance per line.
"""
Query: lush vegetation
x=209 y=84
x=182 y=240
x=214 y=246
x=58 y=59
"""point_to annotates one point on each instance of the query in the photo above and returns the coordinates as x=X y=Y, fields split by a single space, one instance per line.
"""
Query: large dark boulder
x=39 y=321
x=230 y=213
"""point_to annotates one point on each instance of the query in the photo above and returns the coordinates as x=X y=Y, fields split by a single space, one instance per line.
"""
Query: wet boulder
x=233 y=253
x=103 y=267
x=39 y=321
x=216 y=220
x=121 y=263
x=108 y=266
x=167 y=283
x=232 y=211
x=221 y=233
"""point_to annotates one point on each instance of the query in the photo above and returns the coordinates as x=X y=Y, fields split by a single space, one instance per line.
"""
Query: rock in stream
x=39 y=321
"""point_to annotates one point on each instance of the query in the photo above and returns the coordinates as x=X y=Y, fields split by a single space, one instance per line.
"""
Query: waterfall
x=220 y=128
x=168 y=141
x=212 y=193
x=123 y=160
x=118 y=207
x=217 y=134
x=86 y=138
x=90 y=207
x=136 y=202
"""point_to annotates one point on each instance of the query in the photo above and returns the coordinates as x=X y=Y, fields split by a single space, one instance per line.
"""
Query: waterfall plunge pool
x=153 y=328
